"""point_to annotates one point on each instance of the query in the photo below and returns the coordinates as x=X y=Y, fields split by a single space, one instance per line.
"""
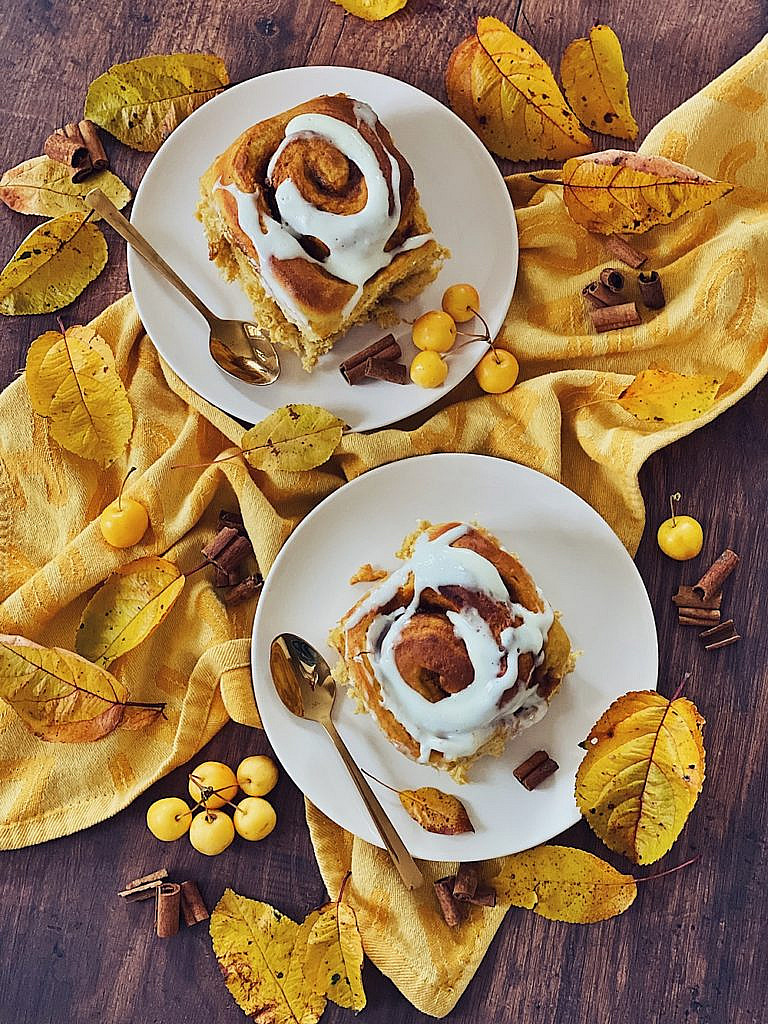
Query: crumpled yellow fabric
x=562 y=419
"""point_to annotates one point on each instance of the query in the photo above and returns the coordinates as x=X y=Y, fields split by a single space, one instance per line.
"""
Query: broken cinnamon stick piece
x=386 y=369
x=612 y=279
x=722 y=643
x=90 y=135
x=63 y=150
x=246 y=588
x=692 y=620
x=532 y=772
x=719 y=630
x=485 y=896
x=712 y=580
x=466 y=882
x=453 y=912
x=167 y=909
x=599 y=295
x=143 y=888
x=222 y=578
x=651 y=289
x=84 y=167
x=353 y=368
x=232 y=519
x=686 y=598
x=233 y=554
x=614 y=318
x=160 y=874
x=193 y=909
x=622 y=250
x=700 y=614
x=219 y=543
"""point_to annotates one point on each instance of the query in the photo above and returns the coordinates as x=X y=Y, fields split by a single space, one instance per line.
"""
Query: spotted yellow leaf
x=262 y=955
x=595 y=81
x=507 y=94
x=52 y=266
x=371 y=10
x=564 y=884
x=616 y=191
x=44 y=187
x=436 y=811
x=642 y=773
x=293 y=438
x=142 y=101
x=128 y=608
x=61 y=697
x=72 y=379
x=335 y=956
x=667 y=397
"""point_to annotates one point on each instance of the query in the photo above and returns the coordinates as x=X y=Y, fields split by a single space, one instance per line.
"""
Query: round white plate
x=461 y=189
x=580 y=565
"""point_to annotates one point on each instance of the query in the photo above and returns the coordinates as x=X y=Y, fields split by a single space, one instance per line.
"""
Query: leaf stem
x=670 y=871
x=384 y=784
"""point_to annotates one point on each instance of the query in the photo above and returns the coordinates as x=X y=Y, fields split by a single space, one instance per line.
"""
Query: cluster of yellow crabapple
x=212 y=785
x=435 y=332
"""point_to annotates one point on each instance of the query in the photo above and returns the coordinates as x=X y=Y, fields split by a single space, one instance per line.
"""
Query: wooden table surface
x=691 y=949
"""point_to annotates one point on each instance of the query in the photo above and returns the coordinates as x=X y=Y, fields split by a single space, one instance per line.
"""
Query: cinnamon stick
x=167 y=909
x=722 y=643
x=686 y=598
x=716 y=575
x=233 y=554
x=613 y=318
x=84 y=167
x=90 y=135
x=465 y=885
x=193 y=909
x=622 y=250
x=386 y=369
x=246 y=588
x=612 y=279
x=353 y=368
x=700 y=614
x=143 y=888
x=222 y=578
x=220 y=541
x=719 y=630
x=453 y=912
x=533 y=771
x=63 y=150
x=692 y=620
x=651 y=290
x=160 y=874
x=600 y=295
x=485 y=896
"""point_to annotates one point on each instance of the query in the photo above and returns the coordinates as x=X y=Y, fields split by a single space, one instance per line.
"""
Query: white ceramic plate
x=461 y=189
x=581 y=567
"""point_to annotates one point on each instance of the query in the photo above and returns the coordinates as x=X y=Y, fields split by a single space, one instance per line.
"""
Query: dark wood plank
x=689 y=952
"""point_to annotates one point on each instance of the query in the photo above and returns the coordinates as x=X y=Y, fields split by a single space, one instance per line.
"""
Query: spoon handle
x=403 y=861
x=107 y=209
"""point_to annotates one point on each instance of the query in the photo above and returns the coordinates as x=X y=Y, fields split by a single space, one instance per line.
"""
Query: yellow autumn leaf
x=293 y=438
x=71 y=379
x=128 y=608
x=564 y=884
x=335 y=956
x=43 y=186
x=595 y=81
x=371 y=10
x=262 y=955
x=142 y=101
x=436 y=811
x=667 y=397
x=642 y=773
x=507 y=94
x=616 y=191
x=52 y=266
x=62 y=697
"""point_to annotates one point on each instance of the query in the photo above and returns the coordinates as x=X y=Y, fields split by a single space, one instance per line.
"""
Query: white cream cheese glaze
x=458 y=724
x=356 y=241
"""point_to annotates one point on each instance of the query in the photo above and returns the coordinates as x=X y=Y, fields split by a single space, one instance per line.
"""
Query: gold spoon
x=305 y=685
x=239 y=347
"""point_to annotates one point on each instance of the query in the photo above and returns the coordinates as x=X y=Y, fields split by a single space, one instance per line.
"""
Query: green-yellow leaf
x=436 y=811
x=293 y=438
x=71 y=379
x=616 y=191
x=44 y=187
x=371 y=10
x=262 y=955
x=128 y=608
x=52 y=266
x=642 y=773
x=595 y=82
x=335 y=956
x=667 y=397
x=62 y=697
x=564 y=884
x=142 y=101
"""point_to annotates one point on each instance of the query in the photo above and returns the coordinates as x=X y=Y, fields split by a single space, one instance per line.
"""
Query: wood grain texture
x=690 y=950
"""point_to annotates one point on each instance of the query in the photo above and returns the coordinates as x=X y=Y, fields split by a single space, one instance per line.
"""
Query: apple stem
x=673 y=500
x=484 y=322
x=384 y=784
x=122 y=485
x=343 y=887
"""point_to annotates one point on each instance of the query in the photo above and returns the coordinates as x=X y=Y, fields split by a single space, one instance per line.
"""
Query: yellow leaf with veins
x=335 y=956
x=293 y=438
x=642 y=773
x=45 y=187
x=595 y=81
x=564 y=884
x=616 y=191
x=667 y=397
x=436 y=811
x=71 y=378
x=507 y=94
x=371 y=10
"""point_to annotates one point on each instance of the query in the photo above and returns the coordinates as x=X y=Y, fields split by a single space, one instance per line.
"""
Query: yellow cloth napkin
x=562 y=420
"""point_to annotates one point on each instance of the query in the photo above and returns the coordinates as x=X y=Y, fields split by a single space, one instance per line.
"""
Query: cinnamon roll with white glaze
x=316 y=214
x=455 y=651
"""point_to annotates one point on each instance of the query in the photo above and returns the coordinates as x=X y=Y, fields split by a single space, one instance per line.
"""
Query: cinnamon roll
x=455 y=651
x=316 y=214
